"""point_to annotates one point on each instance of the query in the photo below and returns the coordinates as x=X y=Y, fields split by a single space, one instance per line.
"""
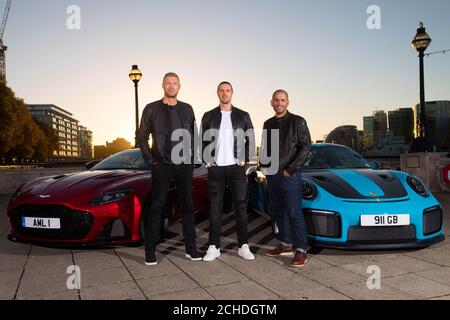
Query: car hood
x=78 y=185
x=358 y=183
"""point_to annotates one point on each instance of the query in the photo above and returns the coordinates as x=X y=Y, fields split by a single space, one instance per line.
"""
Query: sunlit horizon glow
x=335 y=69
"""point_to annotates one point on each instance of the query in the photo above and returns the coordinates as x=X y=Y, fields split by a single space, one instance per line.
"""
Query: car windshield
x=126 y=160
x=334 y=157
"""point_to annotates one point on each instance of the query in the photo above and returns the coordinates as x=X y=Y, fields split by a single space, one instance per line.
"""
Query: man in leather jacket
x=161 y=119
x=285 y=187
x=228 y=144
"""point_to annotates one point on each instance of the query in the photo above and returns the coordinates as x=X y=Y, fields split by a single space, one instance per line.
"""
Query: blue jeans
x=285 y=194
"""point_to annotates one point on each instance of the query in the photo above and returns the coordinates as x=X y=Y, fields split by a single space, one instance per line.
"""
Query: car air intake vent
x=432 y=220
x=385 y=177
x=59 y=177
x=374 y=234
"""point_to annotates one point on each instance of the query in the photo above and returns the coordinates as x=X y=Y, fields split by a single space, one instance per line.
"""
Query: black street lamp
x=421 y=42
x=136 y=76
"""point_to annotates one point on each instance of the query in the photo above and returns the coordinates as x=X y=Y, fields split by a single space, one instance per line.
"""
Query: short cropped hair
x=171 y=74
x=280 y=91
x=225 y=82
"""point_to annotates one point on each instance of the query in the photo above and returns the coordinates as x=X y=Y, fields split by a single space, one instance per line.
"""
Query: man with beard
x=285 y=185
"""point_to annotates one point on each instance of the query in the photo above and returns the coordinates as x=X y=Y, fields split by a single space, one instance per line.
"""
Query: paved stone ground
x=34 y=272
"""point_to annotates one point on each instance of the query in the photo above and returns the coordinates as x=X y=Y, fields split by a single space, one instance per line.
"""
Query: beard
x=279 y=109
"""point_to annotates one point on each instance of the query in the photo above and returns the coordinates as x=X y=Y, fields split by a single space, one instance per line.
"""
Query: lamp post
x=421 y=42
x=135 y=76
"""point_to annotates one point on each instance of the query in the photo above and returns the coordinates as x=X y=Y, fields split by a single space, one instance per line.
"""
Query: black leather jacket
x=295 y=142
x=154 y=122
x=240 y=120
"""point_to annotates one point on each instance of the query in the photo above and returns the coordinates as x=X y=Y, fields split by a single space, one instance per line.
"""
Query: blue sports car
x=349 y=203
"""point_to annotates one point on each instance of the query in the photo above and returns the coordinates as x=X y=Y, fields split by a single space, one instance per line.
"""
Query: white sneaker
x=245 y=252
x=212 y=254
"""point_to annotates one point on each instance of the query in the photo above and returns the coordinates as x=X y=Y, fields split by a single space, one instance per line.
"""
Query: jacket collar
x=218 y=115
x=284 y=117
x=219 y=110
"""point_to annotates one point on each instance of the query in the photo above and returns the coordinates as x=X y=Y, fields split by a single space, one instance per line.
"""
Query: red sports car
x=106 y=204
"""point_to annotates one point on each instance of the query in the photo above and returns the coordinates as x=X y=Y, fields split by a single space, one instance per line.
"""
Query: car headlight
x=109 y=197
x=309 y=191
x=418 y=186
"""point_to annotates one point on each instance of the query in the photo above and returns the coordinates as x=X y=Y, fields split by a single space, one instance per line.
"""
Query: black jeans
x=285 y=195
x=236 y=179
x=162 y=175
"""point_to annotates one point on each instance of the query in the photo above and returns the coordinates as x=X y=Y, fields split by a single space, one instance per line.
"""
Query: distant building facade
x=401 y=123
x=389 y=146
x=375 y=127
x=345 y=135
x=100 y=152
x=67 y=129
x=86 y=143
x=381 y=124
x=438 y=124
x=369 y=129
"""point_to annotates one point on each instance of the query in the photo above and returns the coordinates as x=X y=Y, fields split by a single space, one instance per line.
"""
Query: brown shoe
x=299 y=259
x=280 y=251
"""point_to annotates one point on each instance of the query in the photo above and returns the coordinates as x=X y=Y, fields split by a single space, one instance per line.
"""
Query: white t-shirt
x=225 y=142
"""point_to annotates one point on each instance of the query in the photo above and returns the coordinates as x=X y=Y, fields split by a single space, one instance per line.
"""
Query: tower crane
x=3 y=48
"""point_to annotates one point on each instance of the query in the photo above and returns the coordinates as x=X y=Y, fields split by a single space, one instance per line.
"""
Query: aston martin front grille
x=74 y=224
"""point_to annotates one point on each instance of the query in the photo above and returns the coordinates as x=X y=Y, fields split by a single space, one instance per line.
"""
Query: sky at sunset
x=335 y=68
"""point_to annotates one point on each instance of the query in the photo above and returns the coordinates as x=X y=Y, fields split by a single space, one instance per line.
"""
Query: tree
x=46 y=142
x=21 y=138
x=120 y=144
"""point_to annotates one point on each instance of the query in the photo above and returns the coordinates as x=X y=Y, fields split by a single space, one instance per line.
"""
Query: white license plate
x=382 y=220
x=41 y=223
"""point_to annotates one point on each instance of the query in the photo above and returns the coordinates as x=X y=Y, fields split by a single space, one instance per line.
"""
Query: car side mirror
x=375 y=165
x=91 y=164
